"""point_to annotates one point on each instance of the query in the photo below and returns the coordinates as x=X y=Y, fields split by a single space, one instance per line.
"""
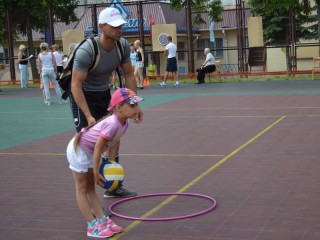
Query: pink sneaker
x=99 y=230
x=112 y=225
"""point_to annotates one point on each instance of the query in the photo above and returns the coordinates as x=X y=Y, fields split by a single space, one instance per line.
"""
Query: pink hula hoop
x=214 y=204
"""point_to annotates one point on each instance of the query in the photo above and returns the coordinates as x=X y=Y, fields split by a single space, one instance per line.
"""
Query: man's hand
x=91 y=120
x=139 y=117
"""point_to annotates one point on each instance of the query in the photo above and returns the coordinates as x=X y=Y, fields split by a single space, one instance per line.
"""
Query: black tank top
x=139 y=56
x=24 y=62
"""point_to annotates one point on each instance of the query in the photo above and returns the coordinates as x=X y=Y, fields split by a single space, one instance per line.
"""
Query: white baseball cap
x=111 y=16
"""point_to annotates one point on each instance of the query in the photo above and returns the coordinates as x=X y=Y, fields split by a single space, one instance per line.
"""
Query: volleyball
x=113 y=173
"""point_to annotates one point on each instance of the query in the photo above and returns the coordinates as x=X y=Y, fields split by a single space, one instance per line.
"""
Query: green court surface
x=25 y=118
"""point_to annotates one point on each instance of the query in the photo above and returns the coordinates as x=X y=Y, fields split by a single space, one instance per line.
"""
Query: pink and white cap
x=123 y=95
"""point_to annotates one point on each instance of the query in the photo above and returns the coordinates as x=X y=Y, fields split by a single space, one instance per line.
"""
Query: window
x=216 y=47
x=4 y=54
x=218 y=50
x=181 y=55
x=201 y=44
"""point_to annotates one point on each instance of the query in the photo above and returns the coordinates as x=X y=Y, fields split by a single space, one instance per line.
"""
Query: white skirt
x=79 y=160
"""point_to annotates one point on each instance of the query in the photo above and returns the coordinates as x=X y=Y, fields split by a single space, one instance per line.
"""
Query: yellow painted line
x=125 y=154
x=171 y=155
x=197 y=179
x=219 y=108
x=31 y=112
x=225 y=116
x=238 y=116
x=53 y=118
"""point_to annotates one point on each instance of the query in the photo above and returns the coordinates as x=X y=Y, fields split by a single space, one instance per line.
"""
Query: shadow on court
x=253 y=146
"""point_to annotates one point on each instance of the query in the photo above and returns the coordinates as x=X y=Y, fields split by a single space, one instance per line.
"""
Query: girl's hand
x=99 y=179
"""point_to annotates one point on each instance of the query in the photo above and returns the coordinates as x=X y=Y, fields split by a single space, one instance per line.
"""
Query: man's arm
x=78 y=78
x=129 y=76
x=39 y=65
x=131 y=84
x=166 y=52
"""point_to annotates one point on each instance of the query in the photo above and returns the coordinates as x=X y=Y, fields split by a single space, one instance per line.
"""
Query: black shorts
x=172 y=65
x=98 y=103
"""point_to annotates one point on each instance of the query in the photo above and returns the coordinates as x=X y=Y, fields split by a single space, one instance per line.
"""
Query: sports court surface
x=253 y=146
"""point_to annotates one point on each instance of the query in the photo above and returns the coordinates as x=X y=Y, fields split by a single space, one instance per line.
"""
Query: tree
x=213 y=7
x=276 y=19
x=33 y=15
x=282 y=20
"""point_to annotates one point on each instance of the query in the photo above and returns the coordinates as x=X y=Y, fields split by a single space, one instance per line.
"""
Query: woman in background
x=23 y=66
x=138 y=72
x=58 y=55
x=48 y=73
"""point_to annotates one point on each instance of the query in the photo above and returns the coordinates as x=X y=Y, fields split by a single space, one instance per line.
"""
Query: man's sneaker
x=112 y=225
x=119 y=193
x=104 y=158
x=62 y=101
x=163 y=84
x=177 y=84
x=99 y=230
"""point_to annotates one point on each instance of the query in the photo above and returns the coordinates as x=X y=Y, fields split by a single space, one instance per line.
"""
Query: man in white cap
x=90 y=95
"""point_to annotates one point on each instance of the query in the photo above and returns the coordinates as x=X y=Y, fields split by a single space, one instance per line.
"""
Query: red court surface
x=254 y=147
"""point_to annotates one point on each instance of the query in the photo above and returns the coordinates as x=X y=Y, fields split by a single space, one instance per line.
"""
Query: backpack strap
x=119 y=75
x=96 y=58
x=120 y=50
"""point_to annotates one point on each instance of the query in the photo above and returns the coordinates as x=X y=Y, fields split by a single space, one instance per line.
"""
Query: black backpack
x=66 y=75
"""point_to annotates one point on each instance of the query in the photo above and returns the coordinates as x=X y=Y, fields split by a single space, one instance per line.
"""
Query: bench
x=316 y=66
x=216 y=73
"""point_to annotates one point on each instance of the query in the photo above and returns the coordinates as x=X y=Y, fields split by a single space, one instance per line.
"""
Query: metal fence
x=276 y=63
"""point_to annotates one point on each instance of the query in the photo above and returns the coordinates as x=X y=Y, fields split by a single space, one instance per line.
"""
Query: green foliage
x=214 y=7
x=276 y=24
x=34 y=14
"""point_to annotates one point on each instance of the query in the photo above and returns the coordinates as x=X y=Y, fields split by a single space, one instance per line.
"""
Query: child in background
x=84 y=156
x=133 y=56
x=138 y=72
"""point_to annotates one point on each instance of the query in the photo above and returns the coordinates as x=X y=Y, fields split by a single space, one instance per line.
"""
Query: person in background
x=171 y=52
x=113 y=80
x=58 y=54
x=48 y=73
x=138 y=72
x=72 y=46
x=208 y=66
x=23 y=66
x=133 y=56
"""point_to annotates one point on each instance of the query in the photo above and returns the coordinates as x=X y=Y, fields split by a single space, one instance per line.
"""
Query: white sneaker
x=163 y=84
x=62 y=101
x=177 y=84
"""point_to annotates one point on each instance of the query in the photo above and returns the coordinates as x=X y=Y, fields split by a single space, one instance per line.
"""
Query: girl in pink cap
x=84 y=156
